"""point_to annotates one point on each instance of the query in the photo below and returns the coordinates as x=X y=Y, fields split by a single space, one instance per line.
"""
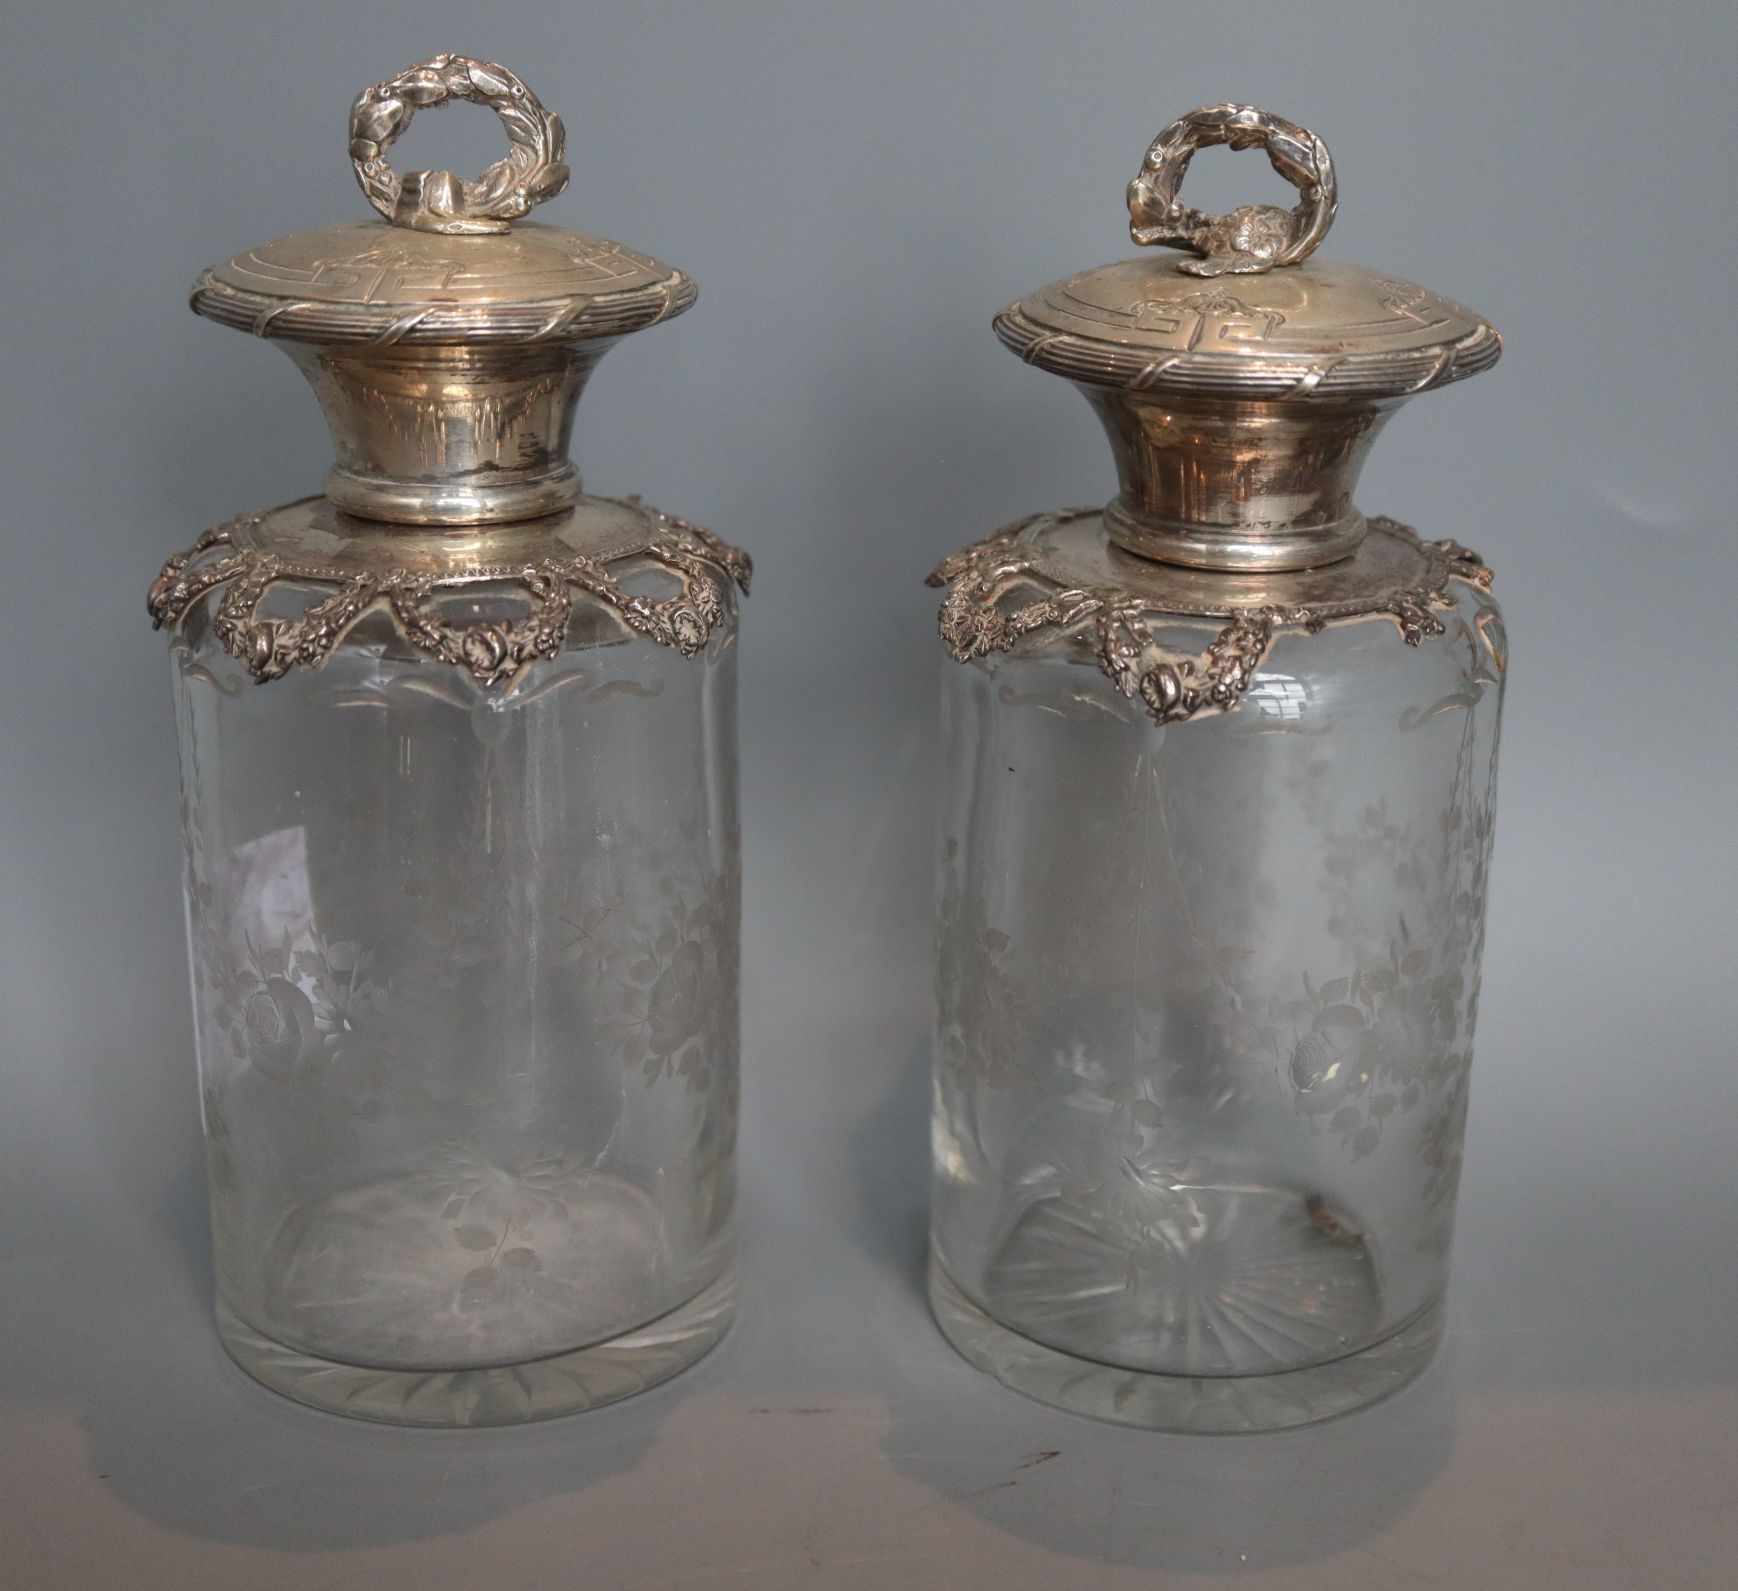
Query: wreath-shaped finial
x=438 y=201
x=1253 y=237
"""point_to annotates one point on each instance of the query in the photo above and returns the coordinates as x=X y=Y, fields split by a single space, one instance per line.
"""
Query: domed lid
x=446 y=345
x=445 y=266
x=1284 y=327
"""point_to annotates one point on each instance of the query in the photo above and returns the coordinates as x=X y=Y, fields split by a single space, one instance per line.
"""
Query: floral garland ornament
x=493 y=650
x=979 y=616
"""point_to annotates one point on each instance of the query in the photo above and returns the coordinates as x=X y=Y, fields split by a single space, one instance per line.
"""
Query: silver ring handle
x=438 y=201
x=1253 y=237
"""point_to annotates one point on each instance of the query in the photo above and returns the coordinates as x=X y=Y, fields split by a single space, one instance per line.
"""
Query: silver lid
x=1242 y=385
x=446 y=343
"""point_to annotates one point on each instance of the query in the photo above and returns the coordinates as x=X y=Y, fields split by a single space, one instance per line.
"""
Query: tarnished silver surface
x=1253 y=237
x=447 y=349
x=362 y=284
x=1236 y=486
x=359 y=568
x=1291 y=328
x=1057 y=572
x=1340 y=331
x=438 y=201
x=1241 y=410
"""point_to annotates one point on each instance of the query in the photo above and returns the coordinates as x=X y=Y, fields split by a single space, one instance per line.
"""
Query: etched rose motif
x=673 y=991
x=1316 y=1063
x=1330 y=1060
x=280 y=1027
x=1395 y=1033
x=307 y=1017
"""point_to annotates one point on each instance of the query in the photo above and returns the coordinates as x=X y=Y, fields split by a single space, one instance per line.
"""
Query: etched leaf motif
x=479 y=1238
x=1393 y=1035
x=672 y=1006
x=671 y=988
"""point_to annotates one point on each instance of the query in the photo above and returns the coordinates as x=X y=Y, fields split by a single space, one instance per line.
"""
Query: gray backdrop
x=858 y=187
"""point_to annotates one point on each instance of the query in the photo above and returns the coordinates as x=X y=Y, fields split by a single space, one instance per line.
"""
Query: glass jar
x=462 y=877
x=1220 y=781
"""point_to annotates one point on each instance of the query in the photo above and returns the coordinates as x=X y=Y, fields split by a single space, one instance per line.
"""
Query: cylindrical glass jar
x=1214 y=857
x=462 y=874
x=1206 y=1006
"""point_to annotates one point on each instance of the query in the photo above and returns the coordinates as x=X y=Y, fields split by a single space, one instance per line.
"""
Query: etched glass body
x=1207 y=995
x=464 y=972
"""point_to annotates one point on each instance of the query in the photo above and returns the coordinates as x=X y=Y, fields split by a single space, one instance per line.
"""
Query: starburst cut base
x=1245 y=1319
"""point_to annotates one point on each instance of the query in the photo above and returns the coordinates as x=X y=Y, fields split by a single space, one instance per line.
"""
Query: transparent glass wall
x=1206 y=1007
x=465 y=979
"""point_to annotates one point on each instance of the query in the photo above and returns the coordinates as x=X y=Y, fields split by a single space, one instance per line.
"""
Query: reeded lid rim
x=1247 y=313
x=438 y=316
x=447 y=265
x=1322 y=374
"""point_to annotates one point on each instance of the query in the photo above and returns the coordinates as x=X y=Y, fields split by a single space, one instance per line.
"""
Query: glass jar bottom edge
x=538 y=1389
x=1203 y=1404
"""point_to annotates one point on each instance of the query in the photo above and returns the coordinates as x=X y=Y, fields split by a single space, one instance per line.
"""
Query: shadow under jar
x=458 y=750
x=1220 y=784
